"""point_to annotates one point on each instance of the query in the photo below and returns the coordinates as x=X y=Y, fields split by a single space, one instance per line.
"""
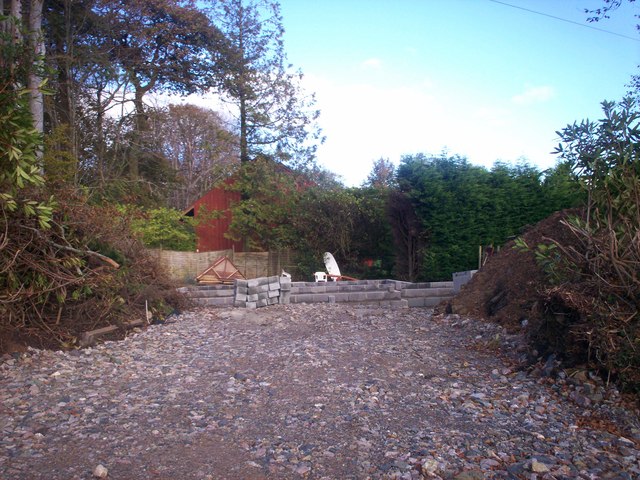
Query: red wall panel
x=211 y=232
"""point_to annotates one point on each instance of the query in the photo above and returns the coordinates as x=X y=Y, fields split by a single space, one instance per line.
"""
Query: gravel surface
x=307 y=391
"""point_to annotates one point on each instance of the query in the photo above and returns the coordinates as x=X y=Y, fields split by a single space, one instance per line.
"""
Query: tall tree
x=382 y=174
x=462 y=206
x=274 y=116
x=199 y=148
x=166 y=45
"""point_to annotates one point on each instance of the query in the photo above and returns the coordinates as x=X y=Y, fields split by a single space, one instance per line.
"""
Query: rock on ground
x=304 y=391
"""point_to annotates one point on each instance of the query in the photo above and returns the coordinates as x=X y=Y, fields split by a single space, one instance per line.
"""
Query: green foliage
x=20 y=141
x=165 y=228
x=60 y=165
x=275 y=116
x=19 y=163
x=548 y=257
x=269 y=191
x=461 y=206
x=311 y=213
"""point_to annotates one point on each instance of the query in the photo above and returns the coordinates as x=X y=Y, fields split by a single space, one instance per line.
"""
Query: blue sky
x=474 y=77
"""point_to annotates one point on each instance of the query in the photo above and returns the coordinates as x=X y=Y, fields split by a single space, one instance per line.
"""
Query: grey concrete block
x=262 y=303
x=462 y=278
x=252 y=305
x=274 y=285
x=375 y=295
x=399 y=304
x=415 y=292
x=426 y=292
x=415 y=301
x=240 y=303
x=243 y=290
x=217 y=301
x=357 y=297
x=393 y=295
x=259 y=289
x=273 y=293
x=332 y=299
x=263 y=296
x=284 y=299
x=252 y=298
x=342 y=297
x=254 y=282
x=433 y=301
x=441 y=284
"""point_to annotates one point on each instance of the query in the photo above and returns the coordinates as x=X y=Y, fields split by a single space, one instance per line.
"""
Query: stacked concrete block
x=210 y=295
x=462 y=278
x=285 y=290
x=241 y=293
x=262 y=292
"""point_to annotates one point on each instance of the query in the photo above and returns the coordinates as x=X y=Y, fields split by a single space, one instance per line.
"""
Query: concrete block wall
x=210 y=295
x=261 y=292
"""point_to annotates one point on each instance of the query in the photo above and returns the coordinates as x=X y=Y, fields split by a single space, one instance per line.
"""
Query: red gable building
x=210 y=233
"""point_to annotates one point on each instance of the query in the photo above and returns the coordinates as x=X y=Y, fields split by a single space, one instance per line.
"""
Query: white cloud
x=374 y=63
x=533 y=94
x=363 y=122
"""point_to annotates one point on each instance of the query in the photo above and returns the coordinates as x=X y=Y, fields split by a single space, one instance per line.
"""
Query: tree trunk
x=36 y=45
x=101 y=147
x=141 y=127
x=16 y=12
x=64 y=110
x=244 y=145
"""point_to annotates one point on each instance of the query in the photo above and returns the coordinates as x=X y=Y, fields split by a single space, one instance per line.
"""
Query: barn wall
x=210 y=234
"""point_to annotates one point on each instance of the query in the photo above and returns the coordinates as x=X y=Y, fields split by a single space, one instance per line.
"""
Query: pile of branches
x=598 y=273
x=83 y=272
x=602 y=286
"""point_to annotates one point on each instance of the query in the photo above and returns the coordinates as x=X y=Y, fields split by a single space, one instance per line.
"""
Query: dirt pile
x=510 y=288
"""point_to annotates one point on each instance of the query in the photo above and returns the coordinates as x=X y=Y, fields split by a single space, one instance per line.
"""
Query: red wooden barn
x=210 y=233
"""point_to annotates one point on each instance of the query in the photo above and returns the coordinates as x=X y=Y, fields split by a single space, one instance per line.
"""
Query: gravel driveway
x=303 y=391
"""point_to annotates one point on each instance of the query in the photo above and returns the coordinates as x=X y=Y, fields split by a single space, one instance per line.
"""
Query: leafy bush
x=165 y=228
x=602 y=263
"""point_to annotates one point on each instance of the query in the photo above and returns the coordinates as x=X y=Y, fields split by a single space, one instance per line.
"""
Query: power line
x=566 y=20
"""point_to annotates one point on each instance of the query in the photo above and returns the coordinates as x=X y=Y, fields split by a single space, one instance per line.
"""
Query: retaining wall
x=261 y=292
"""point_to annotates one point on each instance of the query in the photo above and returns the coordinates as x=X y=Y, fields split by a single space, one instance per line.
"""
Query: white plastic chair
x=320 y=276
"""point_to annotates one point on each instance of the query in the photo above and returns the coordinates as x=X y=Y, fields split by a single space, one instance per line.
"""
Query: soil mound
x=508 y=289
